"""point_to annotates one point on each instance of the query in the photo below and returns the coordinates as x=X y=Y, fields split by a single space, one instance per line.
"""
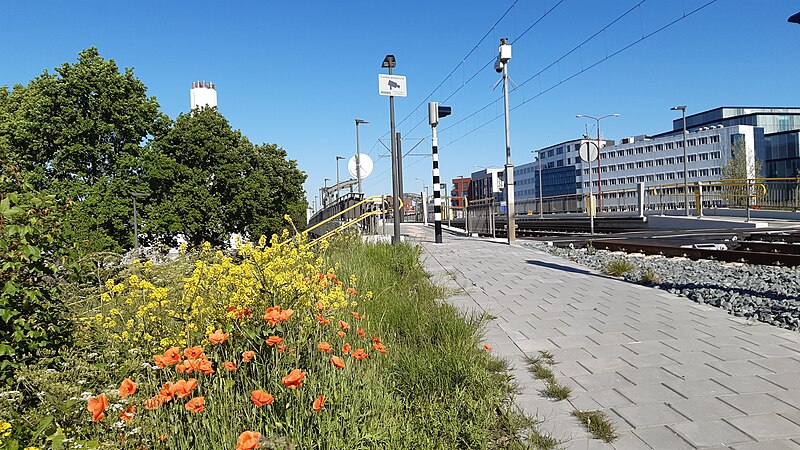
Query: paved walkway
x=670 y=373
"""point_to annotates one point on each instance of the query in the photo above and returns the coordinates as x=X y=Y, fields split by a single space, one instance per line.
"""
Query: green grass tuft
x=597 y=424
x=556 y=391
x=618 y=267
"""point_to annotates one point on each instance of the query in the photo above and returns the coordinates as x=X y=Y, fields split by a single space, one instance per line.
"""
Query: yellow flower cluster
x=221 y=290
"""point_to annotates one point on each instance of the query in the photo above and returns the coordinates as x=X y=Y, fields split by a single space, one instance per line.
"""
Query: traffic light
x=436 y=112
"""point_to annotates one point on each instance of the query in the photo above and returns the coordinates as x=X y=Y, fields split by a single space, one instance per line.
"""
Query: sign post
x=588 y=152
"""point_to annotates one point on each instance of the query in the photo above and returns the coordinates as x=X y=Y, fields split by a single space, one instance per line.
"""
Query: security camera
x=498 y=65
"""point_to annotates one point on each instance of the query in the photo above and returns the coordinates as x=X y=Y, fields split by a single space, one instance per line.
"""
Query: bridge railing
x=349 y=209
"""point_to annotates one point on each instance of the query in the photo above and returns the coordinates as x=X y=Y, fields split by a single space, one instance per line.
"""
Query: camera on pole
x=435 y=112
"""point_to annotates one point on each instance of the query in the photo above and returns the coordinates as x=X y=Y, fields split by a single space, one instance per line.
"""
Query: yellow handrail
x=348 y=224
x=366 y=200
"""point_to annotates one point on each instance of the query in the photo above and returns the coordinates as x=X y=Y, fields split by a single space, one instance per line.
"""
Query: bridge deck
x=668 y=372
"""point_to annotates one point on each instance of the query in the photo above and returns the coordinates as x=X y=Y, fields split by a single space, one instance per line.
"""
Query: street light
x=541 y=203
x=599 y=184
x=501 y=65
x=389 y=62
x=682 y=109
x=358 y=155
x=322 y=194
x=424 y=195
x=136 y=195
x=337 y=175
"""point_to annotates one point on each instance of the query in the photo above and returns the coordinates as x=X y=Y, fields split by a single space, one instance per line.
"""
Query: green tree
x=208 y=181
x=736 y=167
x=78 y=133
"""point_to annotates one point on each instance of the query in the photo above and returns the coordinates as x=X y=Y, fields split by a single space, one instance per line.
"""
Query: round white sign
x=588 y=151
x=366 y=166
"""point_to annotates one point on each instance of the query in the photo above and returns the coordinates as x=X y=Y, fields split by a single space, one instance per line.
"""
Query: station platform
x=668 y=372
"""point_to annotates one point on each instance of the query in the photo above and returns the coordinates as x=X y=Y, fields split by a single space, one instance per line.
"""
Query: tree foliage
x=31 y=315
x=736 y=167
x=77 y=133
x=209 y=181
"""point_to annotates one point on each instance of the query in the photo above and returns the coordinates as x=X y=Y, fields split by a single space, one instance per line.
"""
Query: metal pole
x=400 y=176
x=396 y=195
x=590 y=204
x=599 y=181
x=541 y=202
x=437 y=193
x=358 y=160
x=136 y=230
x=337 y=178
x=685 y=166
x=509 y=167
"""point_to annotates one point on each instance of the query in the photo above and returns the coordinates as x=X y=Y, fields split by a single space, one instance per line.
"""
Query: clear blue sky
x=298 y=73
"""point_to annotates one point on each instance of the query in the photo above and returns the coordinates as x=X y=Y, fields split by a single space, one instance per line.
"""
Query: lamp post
x=389 y=62
x=135 y=222
x=324 y=193
x=338 y=158
x=501 y=65
x=424 y=195
x=358 y=155
x=541 y=202
x=316 y=199
x=599 y=183
x=682 y=109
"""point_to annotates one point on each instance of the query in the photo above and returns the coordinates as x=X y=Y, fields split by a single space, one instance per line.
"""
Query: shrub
x=650 y=277
x=32 y=324
x=618 y=267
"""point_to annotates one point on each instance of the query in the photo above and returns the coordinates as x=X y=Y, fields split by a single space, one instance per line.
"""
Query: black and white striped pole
x=434 y=113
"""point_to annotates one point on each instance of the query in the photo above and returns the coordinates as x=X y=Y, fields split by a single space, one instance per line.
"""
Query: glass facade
x=772 y=120
x=782 y=155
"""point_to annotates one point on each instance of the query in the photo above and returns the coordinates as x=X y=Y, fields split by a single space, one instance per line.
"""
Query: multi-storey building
x=460 y=190
x=487 y=183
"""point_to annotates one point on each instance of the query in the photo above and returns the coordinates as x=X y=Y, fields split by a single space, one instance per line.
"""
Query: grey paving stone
x=704 y=408
x=610 y=398
x=698 y=388
x=732 y=354
x=647 y=375
x=609 y=351
x=758 y=403
x=604 y=364
x=661 y=437
x=710 y=433
x=766 y=426
x=649 y=415
x=778 y=444
x=748 y=384
x=648 y=360
x=601 y=381
x=629 y=441
x=739 y=368
x=693 y=371
x=791 y=397
x=649 y=393
x=787 y=381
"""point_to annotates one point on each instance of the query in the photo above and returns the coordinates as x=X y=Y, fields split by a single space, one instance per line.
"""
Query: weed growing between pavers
x=618 y=267
x=537 y=366
x=597 y=424
x=556 y=391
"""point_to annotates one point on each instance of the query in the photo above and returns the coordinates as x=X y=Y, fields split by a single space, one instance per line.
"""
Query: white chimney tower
x=203 y=94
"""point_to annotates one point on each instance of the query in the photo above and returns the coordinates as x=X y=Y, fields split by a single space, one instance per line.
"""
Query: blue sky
x=298 y=73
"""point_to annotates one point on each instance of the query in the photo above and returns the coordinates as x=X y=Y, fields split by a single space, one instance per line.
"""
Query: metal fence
x=480 y=216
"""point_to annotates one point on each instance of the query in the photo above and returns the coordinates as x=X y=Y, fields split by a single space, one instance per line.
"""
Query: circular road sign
x=366 y=166
x=588 y=151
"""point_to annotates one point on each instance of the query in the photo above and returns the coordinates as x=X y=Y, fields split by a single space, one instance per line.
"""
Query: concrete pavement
x=668 y=372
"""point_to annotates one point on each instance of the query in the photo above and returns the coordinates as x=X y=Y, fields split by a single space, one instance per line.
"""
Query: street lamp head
x=389 y=61
x=614 y=115
x=578 y=116
x=795 y=18
x=359 y=121
x=139 y=194
x=340 y=157
x=678 y=108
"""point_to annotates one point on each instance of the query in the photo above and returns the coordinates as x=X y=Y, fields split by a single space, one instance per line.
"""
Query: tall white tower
x=203 y=94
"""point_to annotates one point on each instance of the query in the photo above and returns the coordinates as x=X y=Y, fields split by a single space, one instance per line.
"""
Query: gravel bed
x=768 y=294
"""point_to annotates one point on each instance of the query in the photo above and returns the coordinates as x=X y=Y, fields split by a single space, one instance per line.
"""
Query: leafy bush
x=32 y=324
x=618 y=267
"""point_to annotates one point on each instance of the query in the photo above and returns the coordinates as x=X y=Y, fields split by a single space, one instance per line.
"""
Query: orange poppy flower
x=324 y=347
x=170 y=357
x=337 y=362
x=127 y=388
x=159 y=359
x=352 y=291
x=323 y=320
x=281 y=348
x=361 y=332
x=183 y=388
x=340 y=333
x=344 y=325
x=261 y=398
x=96 y=406
x=127 y=413
x=346 y=349
x=204 y=365
x=355 y=314
x=319 y=403
x=231 y=366
x=379 y=347
x=272 y=340
x=193 y=352
x=162 y=438
x=196 y=405
x=153 y=403
x=320 y=306
x=331 y=276
x=360 y=354
x=249 y=440
x=165 y=394
x=218 y=337
x=185 y=367
x=248 y=355
x=274 y=315
x=487 y=347
x=294 y=380
x=376 y=339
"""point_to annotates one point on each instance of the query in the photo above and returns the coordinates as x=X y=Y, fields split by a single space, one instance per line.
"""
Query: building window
x=550 y=153
x=620 y=166
x=670 y=160
x=716 y=171
x=648 y=163
x=629 y=151
x=660 y=162
x=679 y=144
x=704 y=156
x=569 y=160
x=639 y=164
x=586 y=171
x=692 y=174
x=703 y=140
x=560 y=163
x=631 y=180
x=630 y=166
x=679 y=159
x=660 y=176
x=715 y=139
x=560 y=151
x=716 y=155
x=651 y=178
x=649 y=148
x=703 y=172
x=639 y=150
x=668 y=145
x=620 y=153
x=692 y=158
x=640 y=179
x=691 y=142
x=659 y=147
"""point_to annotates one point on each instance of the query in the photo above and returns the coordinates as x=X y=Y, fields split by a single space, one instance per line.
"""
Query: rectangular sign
x=392 y=85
